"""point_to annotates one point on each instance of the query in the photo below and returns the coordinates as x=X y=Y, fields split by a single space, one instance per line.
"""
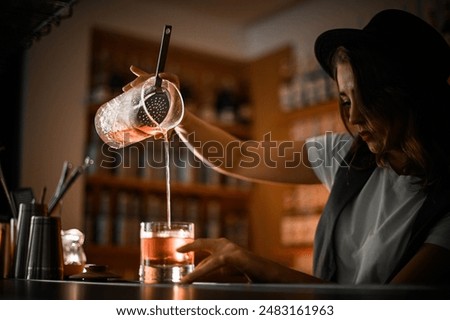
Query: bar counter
x=16 y=289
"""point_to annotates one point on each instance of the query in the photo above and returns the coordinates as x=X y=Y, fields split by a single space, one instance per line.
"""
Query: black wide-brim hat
x=406 y=39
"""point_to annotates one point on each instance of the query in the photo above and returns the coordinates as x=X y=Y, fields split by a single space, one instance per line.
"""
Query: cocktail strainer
x=151 y=107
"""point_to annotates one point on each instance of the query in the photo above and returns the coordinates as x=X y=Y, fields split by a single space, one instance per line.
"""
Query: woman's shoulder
x=439 y=233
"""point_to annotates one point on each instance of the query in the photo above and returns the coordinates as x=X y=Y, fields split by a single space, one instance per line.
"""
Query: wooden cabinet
x=247 y=99
x=284 y=218
x=127 y=186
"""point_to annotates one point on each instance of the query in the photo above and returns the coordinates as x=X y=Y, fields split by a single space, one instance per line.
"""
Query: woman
x=388 y=216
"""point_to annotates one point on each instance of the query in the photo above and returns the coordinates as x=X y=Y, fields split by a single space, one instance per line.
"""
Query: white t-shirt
x=373 y=230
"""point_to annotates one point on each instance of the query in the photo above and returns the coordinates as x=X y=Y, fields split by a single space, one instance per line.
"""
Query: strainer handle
x=162 y=54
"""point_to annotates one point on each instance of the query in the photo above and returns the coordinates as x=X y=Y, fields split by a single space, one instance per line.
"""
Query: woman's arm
x=224 y=253
x=264 y=161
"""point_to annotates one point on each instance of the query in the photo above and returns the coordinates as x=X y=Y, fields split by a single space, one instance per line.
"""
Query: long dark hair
x=393 y=95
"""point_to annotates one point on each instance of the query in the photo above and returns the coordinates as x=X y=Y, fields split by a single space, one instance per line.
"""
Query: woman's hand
x=226 y=256
x=221 y=264
x=143 y=76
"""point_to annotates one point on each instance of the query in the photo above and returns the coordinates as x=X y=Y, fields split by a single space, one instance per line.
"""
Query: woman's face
x=351 y=101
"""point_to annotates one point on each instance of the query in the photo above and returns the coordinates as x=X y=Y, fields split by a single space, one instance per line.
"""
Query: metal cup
x=26 y=211
x=45 y=254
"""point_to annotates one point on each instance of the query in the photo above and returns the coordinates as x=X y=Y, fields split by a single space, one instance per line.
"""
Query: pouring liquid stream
x=167 y=163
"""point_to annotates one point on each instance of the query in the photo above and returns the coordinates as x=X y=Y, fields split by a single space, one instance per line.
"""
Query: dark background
x=22 y=22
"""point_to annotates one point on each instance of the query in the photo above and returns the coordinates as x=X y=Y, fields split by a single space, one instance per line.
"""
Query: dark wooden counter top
x=14 y=289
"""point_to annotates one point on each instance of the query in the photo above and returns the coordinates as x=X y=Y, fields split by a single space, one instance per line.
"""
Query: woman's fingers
x=200 y=244
x=205 y=267
x=221 y=256
x=143 y=75
x=139 y=72
x=133 y=83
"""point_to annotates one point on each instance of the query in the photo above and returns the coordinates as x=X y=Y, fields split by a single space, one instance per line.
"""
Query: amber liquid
x=161 y=262
x=162 y=251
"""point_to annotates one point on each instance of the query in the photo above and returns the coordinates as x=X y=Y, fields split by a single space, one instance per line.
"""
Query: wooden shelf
x=191 y=189
x=118 y=197
x=312 y=111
